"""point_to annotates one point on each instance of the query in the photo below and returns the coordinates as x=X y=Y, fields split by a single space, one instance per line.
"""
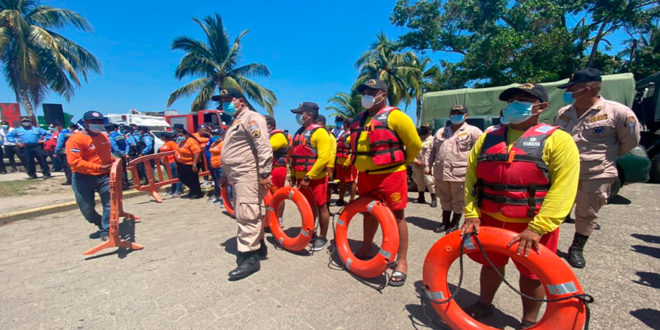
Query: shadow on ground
x=422 y=223
x=619 y=200
x=127 y=233
x=649 y=279
x=647 y=238
x=650 y=317
x=649 y=251
x=423 y=313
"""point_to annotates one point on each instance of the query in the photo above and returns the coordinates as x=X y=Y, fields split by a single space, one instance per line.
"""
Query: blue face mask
x=228 y=107
x=504 y=121
x=568 y=98
x=457 y=119
x=517 y=112
x=180 y=138
x=299 y=119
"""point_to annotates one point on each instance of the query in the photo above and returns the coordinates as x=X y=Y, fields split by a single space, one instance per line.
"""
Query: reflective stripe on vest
x=513 y=182
x=304 y=155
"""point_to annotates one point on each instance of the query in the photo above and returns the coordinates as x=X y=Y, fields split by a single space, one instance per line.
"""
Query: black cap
x=532 y=89
x=217 y=131
x=228 y=92
x=307 y=107
x=584 y=75
x=339 y=119
x=178 y=126
x=373 y=84
x=348 y=121
x=110 y=127
x=143 y=128
x=26 y=118
x=270 y=120
x=93 y=115
x=459 y=107
x=321 y=119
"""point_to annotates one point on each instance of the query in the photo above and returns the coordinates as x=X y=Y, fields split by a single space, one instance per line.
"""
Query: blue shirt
x=61 y=141
x=30 y=135
x=148 y=142
x=118 y=144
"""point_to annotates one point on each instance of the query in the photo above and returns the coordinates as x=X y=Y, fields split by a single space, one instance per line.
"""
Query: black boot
x=575 y=257
x=247 y=267
x=446 y=222
x=455 y=219
x=420 y=198
x=434 y=201
x=262 y=253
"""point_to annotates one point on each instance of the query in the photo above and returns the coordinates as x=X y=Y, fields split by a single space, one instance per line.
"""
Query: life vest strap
x=513 y=187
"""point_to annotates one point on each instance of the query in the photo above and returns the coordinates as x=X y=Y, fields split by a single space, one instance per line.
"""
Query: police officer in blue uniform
x=145 y=146
x=30 y=139
x=60 y=152
x=119 y=147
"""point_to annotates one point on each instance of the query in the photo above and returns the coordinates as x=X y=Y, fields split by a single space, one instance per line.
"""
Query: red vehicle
x=192 y=121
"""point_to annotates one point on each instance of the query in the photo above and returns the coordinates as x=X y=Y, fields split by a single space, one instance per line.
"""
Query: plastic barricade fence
x=158 y=179
x=116 y=211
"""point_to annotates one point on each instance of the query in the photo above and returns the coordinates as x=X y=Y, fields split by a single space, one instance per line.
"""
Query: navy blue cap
x=307 y=107
x=531 y=89
x=93 y=115
x=228 y=93
x=584 y=75
x=373 y=84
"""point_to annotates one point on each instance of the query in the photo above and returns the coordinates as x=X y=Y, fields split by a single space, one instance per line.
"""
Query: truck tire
x=614 y=190
x=655 y=168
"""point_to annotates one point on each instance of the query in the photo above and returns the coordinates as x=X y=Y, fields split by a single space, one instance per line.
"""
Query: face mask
x=568 y=98
x=517 y=112
x=504 y=121
x=299 y=119
x=96 y=128
x=229 y=108
x=51 y=129
x=368 y=101
x=123 y=131
x=180 y=138
x=457 y=119
x=26 y=124
x=5 y=126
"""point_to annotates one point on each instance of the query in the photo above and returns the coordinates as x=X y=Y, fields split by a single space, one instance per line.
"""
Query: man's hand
x=329 y=173
x=304 y=183
x=418 y=163
x=470 y=225
x=223 y=181
x=427 y=172
x=20 y=145
x=105 y=166
x=194 y=168
x=265 y=183
x=528 y=240
x=54 y=155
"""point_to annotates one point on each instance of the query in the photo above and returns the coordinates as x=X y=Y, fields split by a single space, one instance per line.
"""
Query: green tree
x=37 y=59
x=396 y=69
x=345 y=105
x=424 y=80
x=216 y=63
x=500 y=42
x=642 y=55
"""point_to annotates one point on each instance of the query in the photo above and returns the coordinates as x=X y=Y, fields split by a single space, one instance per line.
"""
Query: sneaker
x=65 y=183
x=219 y=202
x=319 y=244
x=212 y=199
x=340 y=202
x=32 y=177
x=176 y=194
x=104 y=236
x=47 y=176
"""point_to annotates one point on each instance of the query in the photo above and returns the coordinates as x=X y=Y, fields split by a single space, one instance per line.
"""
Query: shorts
x=549 y=240
x=318 y=191
x=278 y=176
x=346 y=174
x=390 y=187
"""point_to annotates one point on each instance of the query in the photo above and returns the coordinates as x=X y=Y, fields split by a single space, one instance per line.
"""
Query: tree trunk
x=419 y=110
x=23 y=96
x=594 y=48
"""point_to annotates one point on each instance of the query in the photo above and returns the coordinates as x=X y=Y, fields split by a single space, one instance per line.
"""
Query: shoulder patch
x=631 y=121
x=74 y=150
x=256 y=134
x=544 y=129
x=565 y=118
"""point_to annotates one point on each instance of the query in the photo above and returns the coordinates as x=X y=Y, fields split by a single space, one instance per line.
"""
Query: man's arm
x=258 y=130
x=148 y=145
x=321 y=140
x=74 y=150
x=627 y=130
x=471 y=209
x=429 y=156
x=407 y=132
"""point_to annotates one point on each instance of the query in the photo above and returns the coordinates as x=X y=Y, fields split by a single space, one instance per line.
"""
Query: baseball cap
x=93 y=115
x=307 y=107
x=459 y=107
x=227 y=93
x=270 y=120
x=26 y=118
x=584 y=75
x=532 y=89
x=320 y=119
x=373 y=84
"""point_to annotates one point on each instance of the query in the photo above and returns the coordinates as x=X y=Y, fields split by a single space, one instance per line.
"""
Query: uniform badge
x=565 y=118
x=526 y=86
x=599 y=130
x=631 y=121
x=597 y=118
x=396 y=197
x=256 y=134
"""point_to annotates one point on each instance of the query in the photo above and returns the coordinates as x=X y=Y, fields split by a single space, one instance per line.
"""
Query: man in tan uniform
x=602 y=130
x=448 y=159
x=247 y=158
x=423 y=180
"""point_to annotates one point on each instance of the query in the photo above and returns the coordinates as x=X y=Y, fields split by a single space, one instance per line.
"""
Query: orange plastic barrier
x=160 y=160
x=116 y=211
x=558 y=280
x=375 y=266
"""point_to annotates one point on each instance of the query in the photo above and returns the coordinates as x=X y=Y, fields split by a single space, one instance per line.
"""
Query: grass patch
x=15 y=188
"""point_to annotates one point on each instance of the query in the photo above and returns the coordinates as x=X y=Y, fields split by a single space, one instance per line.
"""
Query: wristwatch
x=307 y=178
x=264 y=175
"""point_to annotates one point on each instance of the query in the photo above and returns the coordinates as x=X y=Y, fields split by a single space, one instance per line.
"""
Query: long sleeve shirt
x=118 y=143
x=32 y=135
x=148 y=142
x=86 y=153
x=61 y=141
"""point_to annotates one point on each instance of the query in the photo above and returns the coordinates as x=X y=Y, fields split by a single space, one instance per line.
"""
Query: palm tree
x=383 y=62
x=423 y=82
x=216 y=61
x=345 y=105
x=37 y=59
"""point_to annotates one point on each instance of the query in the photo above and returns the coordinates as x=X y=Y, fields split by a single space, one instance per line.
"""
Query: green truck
x=484 y=108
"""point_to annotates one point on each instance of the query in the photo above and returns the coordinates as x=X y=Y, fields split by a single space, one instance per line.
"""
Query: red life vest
x=304 y=155
x=385 y=145
x=279 y=155
x=343 y=147
x=513 y=182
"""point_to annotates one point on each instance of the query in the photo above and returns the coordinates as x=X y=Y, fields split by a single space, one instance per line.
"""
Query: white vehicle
x=156 y=124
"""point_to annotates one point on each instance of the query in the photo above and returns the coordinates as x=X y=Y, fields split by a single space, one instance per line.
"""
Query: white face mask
x=368 y=101
x=96 y=128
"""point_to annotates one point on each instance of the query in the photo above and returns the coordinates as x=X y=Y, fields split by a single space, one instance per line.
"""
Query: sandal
x=400 y=278
x=479 y=310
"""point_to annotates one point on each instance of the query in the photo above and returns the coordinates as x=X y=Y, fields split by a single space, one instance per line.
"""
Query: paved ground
x=179 y=280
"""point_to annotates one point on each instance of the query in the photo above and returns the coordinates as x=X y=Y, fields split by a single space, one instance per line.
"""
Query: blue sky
x=310 y=48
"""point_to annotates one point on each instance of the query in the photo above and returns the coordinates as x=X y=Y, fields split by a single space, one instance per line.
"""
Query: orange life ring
x=558 y=279
x=267 y=199
x=375 y=266
x=299 y=242
x=224 y=192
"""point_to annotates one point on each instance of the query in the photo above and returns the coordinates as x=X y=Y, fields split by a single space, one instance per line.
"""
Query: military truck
x=484 y=108
x=647 y=108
